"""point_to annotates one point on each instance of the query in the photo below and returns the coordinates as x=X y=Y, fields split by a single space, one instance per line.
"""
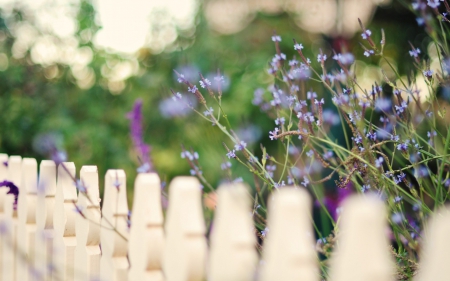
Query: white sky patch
x=127 y=24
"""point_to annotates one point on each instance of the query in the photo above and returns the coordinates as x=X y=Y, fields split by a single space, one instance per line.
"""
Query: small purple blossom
x=365 y=188
x=208 y=112
x=366 y=34
x=397 y=199
x=345 y=59
x=310 y=153
x=240 y=146
x=321 y=58
x=225 y=165
x=298 y=47
x=280 y=121
x=400 y=109
x=379 y=162
x=193 y=89
x=433 y=3
x=274 y=133
x=414 y=52
x=428 y=74
x=264 y=232
x=205 y=83
x=403 y=146
x=368 y=53
x=305 y=181
x=231 y=154
x=189 y=155
x=276 y=38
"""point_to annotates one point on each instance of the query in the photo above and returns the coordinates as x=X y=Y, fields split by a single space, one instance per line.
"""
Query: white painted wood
x=114 y=230
x=362 y=251
x=288 y=250
x=146 y=233
x=185 y=248
x=3 y=191
x=435 y=255
x=87 y=250
x=233 y=253
x=26 y=220
x=9 y=257
x=64 y=241
x=44 y=220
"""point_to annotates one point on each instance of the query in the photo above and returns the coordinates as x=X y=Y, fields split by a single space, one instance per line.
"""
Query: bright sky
x=126 y=23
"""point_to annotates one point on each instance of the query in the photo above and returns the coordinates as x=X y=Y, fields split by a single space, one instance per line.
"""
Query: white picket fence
x=48 y=238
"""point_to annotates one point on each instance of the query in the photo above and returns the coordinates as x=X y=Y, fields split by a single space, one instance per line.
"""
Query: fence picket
x=233 y=242
x=64 y=241
x=44 y=220
x=185 y=249
x=50 y=213
x=10 y=251
x=288 y=252
x=87 y=250
x=363 y=242
x=146 y=233
x=26 y=220
x=436 y=249
x=3 y=191
x=114 y=231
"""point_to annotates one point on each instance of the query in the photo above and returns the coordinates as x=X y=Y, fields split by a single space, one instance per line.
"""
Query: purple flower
x=332 y=203
x=264 y=232
x=428 y=73
x=366 y=34
x=346 y=58
x=280 y=121
x=225 y=165
x=365 y=188
x=231 y=154
x=379 y=162
x=298 y=47
x=192 y=89
x=414 y=52
x=276 y=38
x=403 y=146
x=305 y=181
x=321 y=58
x=240 y=146
x=13 y=189
x=273 y=134
x=137 y=135
x=433 y=3
x=368 y=53
x=397 y=199
x=205 y=83
x=310 y=153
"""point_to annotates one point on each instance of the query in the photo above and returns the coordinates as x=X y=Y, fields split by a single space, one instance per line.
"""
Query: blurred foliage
x=91 y=122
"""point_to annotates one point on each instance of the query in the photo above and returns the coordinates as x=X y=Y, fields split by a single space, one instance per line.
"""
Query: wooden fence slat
x=185 y=249
x=146 y=233
x=288 y=252
x=435 y=255
x=26 y=220
x=64 y=241
x=114 y=262
x=44 y=219
x=87 y=250
x=10 y=246
x=233 y=242
x=362 y=251
x=3 y=191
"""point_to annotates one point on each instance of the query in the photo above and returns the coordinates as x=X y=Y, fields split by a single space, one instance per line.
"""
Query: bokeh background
x=73 y=69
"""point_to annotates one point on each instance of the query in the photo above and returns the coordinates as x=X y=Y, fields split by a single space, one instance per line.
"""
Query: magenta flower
x=13 y=189
x=137 y=136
